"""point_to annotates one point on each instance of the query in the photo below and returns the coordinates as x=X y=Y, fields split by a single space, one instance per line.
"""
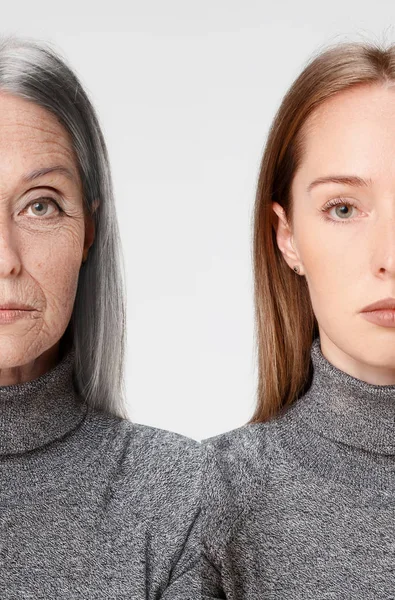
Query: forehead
x=30 y=136
x=353 y=131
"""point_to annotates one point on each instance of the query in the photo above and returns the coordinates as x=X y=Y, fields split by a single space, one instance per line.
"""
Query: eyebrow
x=44 y=171
x=353 y=180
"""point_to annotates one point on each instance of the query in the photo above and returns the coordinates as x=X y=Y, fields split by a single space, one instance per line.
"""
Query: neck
x=22 y=372
x=41 y=410
x=342 y=425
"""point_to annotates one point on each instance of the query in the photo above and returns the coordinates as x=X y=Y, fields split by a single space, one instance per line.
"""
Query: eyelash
x=336 y=202
x=46 y=200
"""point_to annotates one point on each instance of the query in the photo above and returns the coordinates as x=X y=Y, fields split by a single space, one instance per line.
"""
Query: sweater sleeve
x=152 y=518
x=184 y=581
x=219 y=511
x=211 y=581
x=233 y=473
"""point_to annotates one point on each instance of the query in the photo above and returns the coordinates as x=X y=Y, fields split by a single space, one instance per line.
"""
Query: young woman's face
x=42 y=235
x=348 y=253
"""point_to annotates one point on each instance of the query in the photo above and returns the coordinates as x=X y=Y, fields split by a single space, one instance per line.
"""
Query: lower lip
x=385 y=318
x=9 y=316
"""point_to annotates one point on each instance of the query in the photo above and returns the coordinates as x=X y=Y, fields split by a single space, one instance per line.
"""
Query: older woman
x=92 y=505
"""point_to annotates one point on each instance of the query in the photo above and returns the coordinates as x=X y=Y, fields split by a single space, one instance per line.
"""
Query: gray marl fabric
x=303 y=507
x=93 y=506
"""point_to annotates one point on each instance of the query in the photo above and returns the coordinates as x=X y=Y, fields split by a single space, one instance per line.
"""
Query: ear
x=284 y=237
x=89 y=231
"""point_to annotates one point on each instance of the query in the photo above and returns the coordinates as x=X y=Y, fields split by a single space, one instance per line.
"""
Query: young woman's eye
x=342 y=203
x=40 y=207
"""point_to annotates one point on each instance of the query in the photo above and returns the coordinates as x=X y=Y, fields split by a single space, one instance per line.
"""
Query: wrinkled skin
x=41 y=248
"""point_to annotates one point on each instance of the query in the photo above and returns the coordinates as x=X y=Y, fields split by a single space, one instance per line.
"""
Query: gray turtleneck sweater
x=93 y=506
x=303 y=506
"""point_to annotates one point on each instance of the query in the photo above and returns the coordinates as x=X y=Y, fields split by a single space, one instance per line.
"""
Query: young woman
x=300 y=502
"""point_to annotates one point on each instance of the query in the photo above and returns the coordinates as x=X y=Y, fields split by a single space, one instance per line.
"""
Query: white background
x=185 y=93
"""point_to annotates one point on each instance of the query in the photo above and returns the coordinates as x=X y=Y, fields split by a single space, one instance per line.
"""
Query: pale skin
x=41 y=248
x=348 y=265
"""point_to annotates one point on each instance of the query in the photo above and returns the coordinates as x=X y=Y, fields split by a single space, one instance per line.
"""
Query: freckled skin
x=348 y=265
x=41 y=249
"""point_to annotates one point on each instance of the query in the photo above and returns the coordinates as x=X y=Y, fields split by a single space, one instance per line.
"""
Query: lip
x=385 y=304
x=15 y=306
x=383 y=318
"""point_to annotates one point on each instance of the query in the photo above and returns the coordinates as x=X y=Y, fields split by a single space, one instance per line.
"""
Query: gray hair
x=35 y=71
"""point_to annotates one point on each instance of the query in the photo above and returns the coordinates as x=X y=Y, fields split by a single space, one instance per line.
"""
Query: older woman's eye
x=40 y=206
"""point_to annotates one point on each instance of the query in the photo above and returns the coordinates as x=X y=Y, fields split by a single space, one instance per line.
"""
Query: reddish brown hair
x=285 y=324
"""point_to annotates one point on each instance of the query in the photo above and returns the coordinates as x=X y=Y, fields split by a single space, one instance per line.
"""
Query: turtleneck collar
x=37 y=412
x=341 y=428
x=346 y=409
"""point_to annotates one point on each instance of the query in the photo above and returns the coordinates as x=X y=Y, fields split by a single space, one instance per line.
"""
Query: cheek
x=322 y=247
x=334 y=289
x=54 y=266
x=332 y=257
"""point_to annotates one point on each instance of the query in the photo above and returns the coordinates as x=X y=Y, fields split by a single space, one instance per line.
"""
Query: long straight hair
x=34 y=70
x=285 y=324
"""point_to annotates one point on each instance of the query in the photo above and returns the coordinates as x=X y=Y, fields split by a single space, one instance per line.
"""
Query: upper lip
x=387 y=303
x=15 y=306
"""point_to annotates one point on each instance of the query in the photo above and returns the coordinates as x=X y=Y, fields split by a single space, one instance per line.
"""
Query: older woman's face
x=43 y=236
x=347 y=254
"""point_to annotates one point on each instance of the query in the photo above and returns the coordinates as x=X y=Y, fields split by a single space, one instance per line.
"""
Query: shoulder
x=234 y=470
x=146 y=438
x=152 y=503
x=247 y=438
x=248 y=446
x=151 y=462
x=163 y=456
x=137 y=437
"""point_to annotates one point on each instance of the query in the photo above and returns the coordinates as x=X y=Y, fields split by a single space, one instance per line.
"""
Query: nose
x=10 y=261
x=383 y=245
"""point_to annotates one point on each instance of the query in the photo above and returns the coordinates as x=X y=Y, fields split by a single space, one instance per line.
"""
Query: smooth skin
x=41 y=248
x=349 y=259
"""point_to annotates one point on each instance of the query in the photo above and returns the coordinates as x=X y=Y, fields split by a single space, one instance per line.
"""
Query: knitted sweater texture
x=303 y=506
x=93 y=506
